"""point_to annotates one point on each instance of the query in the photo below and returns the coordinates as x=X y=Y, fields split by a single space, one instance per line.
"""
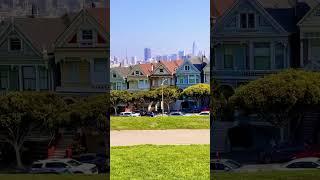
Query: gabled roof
x=122 y=71
x=42 y=32
x=102 y=15
x=218 y=7
x=311 y=10
x=171 y=65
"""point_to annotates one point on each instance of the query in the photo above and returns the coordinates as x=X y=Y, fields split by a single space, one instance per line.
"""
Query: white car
x=135 y=114
x=204 y=113
x=65 y=165
x=126 y=114
x=303 y=163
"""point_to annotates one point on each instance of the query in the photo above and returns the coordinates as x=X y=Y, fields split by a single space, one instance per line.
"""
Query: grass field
x=157 y=123
x=160 y=162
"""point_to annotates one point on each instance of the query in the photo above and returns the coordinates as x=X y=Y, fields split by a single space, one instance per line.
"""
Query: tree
x=118 y=97
x=280 y=98
x=198 y=92
x=170 y=95
x=23 y=113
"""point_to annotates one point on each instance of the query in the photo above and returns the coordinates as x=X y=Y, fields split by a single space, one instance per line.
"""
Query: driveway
x=160 y=137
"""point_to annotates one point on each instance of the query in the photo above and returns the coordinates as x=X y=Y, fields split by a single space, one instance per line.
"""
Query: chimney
x=152 y=67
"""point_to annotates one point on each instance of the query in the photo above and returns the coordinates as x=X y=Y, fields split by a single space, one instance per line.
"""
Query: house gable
x=27 y=48
x=312 y=18
x=136 y=71
x=115 y=75
x=161 y=69
x=230 y=23
x=73 y=36
x=191 y=70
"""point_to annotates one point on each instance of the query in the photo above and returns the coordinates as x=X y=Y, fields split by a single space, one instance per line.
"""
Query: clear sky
x=165 y=26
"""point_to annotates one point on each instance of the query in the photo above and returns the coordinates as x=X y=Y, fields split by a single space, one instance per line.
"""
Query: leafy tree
x=280 y=98
x=170 y=95
x=23 y=113
x=118 y=97
x=198 y=92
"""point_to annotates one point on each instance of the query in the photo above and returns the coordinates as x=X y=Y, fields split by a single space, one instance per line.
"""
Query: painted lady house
x=118 y=78
x=251 y=39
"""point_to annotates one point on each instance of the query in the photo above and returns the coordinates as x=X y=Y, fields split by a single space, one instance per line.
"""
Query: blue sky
x=165 y=26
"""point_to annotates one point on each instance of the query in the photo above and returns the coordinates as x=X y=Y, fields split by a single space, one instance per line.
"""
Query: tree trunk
x=115 y=110
x=168 y=106
x=18 y=156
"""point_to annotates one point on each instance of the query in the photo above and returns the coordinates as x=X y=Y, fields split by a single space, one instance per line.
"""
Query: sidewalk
x=160 y=137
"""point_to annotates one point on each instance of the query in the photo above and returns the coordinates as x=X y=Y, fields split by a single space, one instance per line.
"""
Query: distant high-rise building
x=173 y=57
x=181 y=54
x=194 y=48
x=147 y=54
x=133 y=60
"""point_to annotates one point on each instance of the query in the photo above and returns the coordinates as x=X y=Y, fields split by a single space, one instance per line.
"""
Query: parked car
x=99 y=160
x=280 y=153
x=59 y=166
x=204 y=113
x=223 y=165
x=178 y=113
x=126 y=114
x=303 y=163
x=136 y=114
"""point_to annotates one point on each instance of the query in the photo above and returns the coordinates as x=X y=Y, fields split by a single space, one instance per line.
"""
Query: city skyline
x=135 y=27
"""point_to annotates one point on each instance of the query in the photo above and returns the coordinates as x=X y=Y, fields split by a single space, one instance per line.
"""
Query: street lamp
x=162 y=103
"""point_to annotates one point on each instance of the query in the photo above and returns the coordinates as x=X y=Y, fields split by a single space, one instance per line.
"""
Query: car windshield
x=74 y=163
x=233 y=164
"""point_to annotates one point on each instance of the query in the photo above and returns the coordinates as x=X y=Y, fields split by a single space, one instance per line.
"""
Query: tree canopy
x=280 y=97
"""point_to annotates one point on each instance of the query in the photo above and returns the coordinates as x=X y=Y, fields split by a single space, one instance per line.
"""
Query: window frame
x=10 y=45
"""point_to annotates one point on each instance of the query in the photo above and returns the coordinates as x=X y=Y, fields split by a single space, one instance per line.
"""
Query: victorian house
x=118 y=78
x=138 y=77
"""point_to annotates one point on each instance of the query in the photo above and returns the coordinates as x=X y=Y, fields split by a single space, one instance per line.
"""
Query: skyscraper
x=181 y=54
x=147 y=54
x=194 y=48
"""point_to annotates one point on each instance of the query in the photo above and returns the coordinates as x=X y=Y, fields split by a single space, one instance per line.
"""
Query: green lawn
x=160 y=162
x=157 y=123
x=271 y=175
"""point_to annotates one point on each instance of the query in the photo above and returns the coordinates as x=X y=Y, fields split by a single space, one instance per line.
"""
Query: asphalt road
x=160 y=137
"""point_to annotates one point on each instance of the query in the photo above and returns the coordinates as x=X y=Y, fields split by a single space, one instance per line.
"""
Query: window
x=114 y=75
x=181 y=79
x=43 y=78
x=73 y=72
x=303 y=165
x=192 y=79
x=141 y=84
x=15 y=44
x=247 y=20
x=56 y=165
x=161 y=70
x=29 y=78
x=3 y=80
x=119 y=85
x=197 y=79
x=262 y=60
x=36 y=166
x=251 y=21
x=87 y=35
x=279 y=56
x=243 y=20
x=187 y=68
x=100 y=70
x=228 y=58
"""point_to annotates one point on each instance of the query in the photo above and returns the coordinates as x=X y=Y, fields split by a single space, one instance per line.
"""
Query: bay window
x=262 y=56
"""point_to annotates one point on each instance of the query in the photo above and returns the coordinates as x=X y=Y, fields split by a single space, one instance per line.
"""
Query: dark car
x=99 y=160
x=280 y=153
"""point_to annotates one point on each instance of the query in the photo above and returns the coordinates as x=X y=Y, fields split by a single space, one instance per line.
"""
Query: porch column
x=37 y=78
x=251 y=60
x=301 y=53
x=92 y=71
x=20 y=79
x=272 y=52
